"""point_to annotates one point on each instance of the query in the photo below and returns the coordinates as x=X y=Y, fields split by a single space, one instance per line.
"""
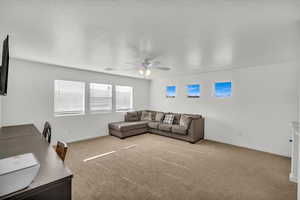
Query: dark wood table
x=54 y=180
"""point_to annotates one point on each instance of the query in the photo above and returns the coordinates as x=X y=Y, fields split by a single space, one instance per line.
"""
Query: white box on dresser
x=17 y=172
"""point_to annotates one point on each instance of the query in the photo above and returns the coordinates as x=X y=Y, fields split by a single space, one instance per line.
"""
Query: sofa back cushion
x=185 y=120
x=169 y=118
x=176 y=118
x=194 y=116
x=159 y=116
x=132 y=116
x=139 y=114
x=153 y=114
x=146 y=116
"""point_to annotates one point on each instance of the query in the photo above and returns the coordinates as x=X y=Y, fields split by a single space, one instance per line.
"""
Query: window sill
x=68 y=115
x=100 y=112
x=223 y=97
x=123 y=111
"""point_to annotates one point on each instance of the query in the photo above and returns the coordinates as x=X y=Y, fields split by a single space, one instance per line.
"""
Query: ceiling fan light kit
x=148 y=72
x=147 y=65
x=141 y=72
x=145 y=72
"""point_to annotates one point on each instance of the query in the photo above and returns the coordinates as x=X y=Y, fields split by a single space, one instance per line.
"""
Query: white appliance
x=17 y=172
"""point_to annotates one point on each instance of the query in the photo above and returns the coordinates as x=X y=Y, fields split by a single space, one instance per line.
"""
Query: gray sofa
x=136 y=123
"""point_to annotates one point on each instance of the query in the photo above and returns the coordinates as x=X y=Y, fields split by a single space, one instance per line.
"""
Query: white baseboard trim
x=293 y=178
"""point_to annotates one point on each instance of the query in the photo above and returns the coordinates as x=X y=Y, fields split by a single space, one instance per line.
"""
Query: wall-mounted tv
x=4 y=67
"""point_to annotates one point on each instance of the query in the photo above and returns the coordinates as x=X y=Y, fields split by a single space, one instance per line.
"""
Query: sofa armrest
x=196 y=130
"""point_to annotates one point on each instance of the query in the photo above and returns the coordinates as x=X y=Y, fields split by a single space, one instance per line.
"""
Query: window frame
x=223 y=97
x=166 y=91
x=89 y=99
x=69 y=113
x=116 y=98
x=187 y=90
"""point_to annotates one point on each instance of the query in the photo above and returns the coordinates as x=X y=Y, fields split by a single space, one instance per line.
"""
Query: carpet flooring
x=155 y=167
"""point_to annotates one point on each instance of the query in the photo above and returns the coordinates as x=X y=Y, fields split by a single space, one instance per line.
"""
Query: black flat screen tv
x=4 y=67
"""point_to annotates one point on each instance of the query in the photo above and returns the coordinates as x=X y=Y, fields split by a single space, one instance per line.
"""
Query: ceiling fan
x=146 y=66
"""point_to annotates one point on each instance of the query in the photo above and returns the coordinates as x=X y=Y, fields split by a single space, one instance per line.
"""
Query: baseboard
x=293 y=178
x=248 y=147
x=86 y=138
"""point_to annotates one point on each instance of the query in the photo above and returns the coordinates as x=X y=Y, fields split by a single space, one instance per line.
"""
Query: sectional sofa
x=188 y=127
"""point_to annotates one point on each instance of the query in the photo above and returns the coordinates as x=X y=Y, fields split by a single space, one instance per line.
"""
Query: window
x=223 y=89
x=170 y=91
x=124 y=96
x=193 y=91
x=100 y=97
x=69 y=97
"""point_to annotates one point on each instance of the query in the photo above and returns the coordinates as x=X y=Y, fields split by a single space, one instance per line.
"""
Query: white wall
x=30 y=99
x=258 y=115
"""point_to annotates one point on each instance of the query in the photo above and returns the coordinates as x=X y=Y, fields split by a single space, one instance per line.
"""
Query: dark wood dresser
x=54 y=180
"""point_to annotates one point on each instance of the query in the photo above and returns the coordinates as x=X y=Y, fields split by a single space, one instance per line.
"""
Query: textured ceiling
x=187 y=36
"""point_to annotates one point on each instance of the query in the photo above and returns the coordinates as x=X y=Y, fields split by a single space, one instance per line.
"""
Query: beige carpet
x=163 y=168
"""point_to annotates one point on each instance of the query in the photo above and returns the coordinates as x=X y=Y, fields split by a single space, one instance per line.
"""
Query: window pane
x=170 y=91
x=193 y=91
x=69 y=97
x=223 y=89
x=123 y=98
x=100 y=97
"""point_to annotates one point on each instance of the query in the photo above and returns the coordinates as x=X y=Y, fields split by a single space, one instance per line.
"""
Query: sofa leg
x=192 y=142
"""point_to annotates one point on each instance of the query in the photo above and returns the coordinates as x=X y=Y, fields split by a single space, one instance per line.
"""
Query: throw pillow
x=132 y=116
x=159 y=116
x=185 y=120
x=146 y=116
x=169 y=118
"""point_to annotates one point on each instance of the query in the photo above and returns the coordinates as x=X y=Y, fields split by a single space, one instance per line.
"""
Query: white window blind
x=69 y=97
x=124 y=96
x=100 y=97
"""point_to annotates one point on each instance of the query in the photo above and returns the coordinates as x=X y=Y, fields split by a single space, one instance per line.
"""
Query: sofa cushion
x=164 y=127
x=127 y=126
x=185 y=120
x=159 y=116
x=193 y=116
x=169 y=118
x=153 y=125
x=153 y=114
x=139 y=114
x=182 y=130
x=132 y=116
x=176 y=118
x=146 y=116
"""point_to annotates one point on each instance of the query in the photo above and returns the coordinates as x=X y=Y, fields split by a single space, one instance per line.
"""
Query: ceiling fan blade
x=156 y=62
x=163 y=68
